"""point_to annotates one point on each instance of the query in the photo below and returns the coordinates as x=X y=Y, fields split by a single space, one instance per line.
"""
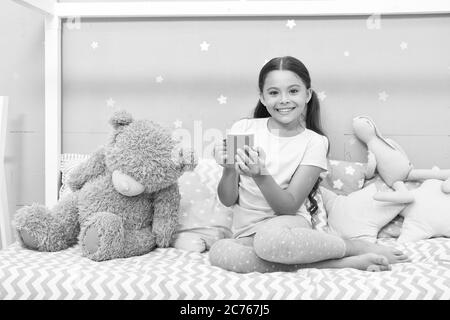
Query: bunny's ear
x=361 y=122
x=120 y=118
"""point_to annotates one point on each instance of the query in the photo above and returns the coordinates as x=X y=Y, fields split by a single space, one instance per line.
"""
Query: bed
x=174 y=274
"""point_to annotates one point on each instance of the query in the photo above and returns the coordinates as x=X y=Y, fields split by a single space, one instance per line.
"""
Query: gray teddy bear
x=125 y=197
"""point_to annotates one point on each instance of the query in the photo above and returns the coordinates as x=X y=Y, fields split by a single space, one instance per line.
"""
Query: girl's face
x=285 y=96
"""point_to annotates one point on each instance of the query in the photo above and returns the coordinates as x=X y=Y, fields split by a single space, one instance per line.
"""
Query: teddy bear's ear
x=120 y=118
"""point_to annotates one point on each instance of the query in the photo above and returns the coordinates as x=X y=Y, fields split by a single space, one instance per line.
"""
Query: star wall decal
x=404 y=45
x=94 y=45
x=204 y=46
x=222 y=99
x=110 y=102
x=291 y=24
x=382 y=96
x=159 y=79
x=178 y=123
x=321 y=95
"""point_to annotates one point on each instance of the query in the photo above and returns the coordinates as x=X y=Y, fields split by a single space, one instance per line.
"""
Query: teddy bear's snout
x=126 y=185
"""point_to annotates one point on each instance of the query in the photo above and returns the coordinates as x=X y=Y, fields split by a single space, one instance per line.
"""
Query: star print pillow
x=344 y=177
x=203 y=219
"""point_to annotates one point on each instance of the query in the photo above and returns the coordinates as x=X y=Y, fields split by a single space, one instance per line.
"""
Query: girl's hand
x=220 y=153
x=250 y=164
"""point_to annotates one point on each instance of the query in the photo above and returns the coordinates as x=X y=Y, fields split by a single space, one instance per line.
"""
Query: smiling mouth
x=284 y=110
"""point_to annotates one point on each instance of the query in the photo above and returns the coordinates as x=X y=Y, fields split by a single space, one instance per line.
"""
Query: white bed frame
x=55 y=11
x=5 y=230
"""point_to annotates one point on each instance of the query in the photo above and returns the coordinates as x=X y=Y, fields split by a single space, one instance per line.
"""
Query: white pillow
x=358 y=215
x=203 y=219
x=429 y=215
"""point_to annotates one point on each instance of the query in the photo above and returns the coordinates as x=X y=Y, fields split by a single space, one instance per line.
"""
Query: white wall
x=21 y=78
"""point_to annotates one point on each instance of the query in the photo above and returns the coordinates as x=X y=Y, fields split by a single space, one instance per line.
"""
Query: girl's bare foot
x=367 y=262
x=358 y=247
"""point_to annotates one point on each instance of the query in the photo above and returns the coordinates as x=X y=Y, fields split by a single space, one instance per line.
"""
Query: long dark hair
x=312 y=117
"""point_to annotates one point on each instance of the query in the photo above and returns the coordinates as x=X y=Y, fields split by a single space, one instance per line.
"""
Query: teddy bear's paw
x=163 y=239
x=102 y=237
x=91 y=240
x=28 y=239
x=37 y=229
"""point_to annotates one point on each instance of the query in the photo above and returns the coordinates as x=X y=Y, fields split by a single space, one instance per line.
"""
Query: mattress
x=176 y=274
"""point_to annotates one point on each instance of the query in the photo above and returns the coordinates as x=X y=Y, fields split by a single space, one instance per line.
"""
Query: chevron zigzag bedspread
x=175 y=274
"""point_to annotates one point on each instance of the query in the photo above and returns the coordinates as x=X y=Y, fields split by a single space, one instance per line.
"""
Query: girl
x=272 y=186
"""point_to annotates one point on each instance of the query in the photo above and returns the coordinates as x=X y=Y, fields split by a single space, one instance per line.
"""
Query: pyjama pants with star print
x=283 y=243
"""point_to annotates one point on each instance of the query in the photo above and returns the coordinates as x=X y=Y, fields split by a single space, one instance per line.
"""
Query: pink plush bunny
x=393 y=164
